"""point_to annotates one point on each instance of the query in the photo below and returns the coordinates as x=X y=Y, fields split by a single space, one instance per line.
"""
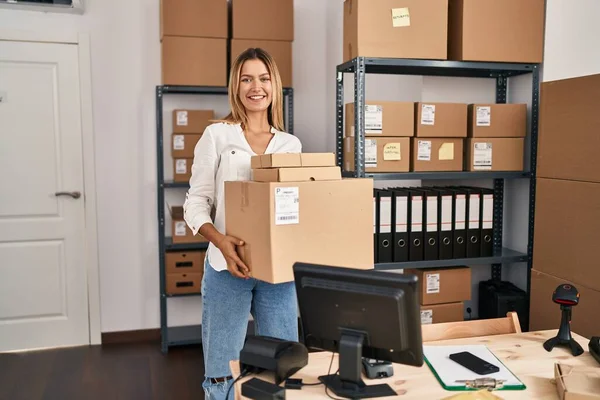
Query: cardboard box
x=182 y=146
x=569 y=126
x=191 y=61
x=545 y=314
x=196 y=18
x=184 y=262
x=577 y=382
x=182 y=169
x=497 y=120
x=443 y=285
x=443 y=154
x=248 y=19
x=180 y=231
x=296 y=174
x=281 y=52
x=192 y=121
x=382 y=154
x=184 y=283
x=567 y=217
x=441 y=120
x=396 y=29
x=437 y=313
x=496 y=30
x=323 y=222
x=494 y=154
x=279 y=160
x=384 y=118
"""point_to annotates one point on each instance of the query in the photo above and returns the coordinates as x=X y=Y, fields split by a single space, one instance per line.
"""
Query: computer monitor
x=359 y=313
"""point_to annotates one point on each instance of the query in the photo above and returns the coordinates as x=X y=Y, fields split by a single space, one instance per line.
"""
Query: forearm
x=211 y=233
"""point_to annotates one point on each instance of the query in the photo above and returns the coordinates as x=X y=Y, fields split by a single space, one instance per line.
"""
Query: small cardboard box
x=182 y=169
x=494 y=154
x=322 y=222
x=396 y=29
x=437 y=313
x=184 y=261
x=183 y=146
x=439 y=120
x=443 y=285
x=247 y=14
x=192 y=61
x=282 y=160
x=191 y=121
x=382 y=154
x=281 y=51
x=180 y=231
x=196 y=18
x=296 y=174
x=384 y=118
x=577 y=382
x=497 y=120
x=444 y=154
x=496 y=30
x=178 y=283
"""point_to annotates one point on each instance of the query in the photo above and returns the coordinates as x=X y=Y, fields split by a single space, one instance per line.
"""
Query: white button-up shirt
x=223 y=154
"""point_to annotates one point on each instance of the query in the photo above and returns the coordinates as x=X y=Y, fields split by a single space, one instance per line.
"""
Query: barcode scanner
x=567 y=296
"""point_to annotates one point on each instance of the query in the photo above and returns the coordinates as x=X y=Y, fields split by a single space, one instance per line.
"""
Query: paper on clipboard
x=448 y=372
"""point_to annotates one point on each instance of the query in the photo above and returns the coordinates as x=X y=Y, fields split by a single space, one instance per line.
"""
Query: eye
x=265 y=79
x=246 y=80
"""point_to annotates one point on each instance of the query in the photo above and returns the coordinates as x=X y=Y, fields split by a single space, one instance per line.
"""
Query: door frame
x=82 y=41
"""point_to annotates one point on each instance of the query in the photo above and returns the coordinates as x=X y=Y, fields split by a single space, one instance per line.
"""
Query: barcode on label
x=287 y=205
x=287 y=218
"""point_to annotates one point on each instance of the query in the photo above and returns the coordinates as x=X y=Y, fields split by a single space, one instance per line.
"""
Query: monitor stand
x=349 y=383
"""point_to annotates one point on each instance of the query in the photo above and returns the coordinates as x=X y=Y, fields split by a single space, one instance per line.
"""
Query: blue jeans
x=227 y=302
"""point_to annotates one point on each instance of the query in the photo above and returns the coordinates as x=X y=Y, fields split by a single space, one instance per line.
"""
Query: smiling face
x=255 y=90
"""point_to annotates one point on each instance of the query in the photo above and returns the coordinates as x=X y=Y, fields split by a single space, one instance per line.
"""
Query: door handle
x=74 y=195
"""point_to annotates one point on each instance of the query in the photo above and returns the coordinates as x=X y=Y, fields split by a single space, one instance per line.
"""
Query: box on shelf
x=196 y=18
x=296 y=174
x=382 y=154
x=437 y=154
x=438 y=313
x=192 y=121
x=497 y=120
x=185 y=261
x=384 y=118
x=281 y=51
x=441 y=120
x=178 y=283
x=247 y=14
x=498 y=31
x=443 y=285
x=281 y=160
x=323 y=222
x=180 y=231
x=182 y=145
x=494 y=154
x=396 y=29
x=182 y=169
x=191 y=61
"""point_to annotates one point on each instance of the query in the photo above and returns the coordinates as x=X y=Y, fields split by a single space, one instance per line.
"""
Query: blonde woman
x=229 y=295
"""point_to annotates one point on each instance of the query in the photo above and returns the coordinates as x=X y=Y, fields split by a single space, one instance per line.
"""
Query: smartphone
x=474 y=363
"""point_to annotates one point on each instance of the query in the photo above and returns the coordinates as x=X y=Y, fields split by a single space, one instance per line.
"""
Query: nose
x=256 y=84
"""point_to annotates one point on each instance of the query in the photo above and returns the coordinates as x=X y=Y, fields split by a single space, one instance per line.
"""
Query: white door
x=43 y=284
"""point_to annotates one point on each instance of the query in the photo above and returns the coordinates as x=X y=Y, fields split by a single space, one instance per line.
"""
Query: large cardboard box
x=545 y=314
x=442 y=154
x=196 y=18
x=496 y=30
x=567 y=219
x=192 y=61
x=396 y=29
x=263 y=19
x=281 y=51
x=191 y=121
x=384 y=118
x=324 y=222
x=569 y=136
x=184 y=262
x=182 y=169
x=443 y=285
x=183 y=146
x=382 y=154
x=178 y=283
x=497 y=120
x=441 y=120
x=494 y=154
x=296 y=174
x=438 y=313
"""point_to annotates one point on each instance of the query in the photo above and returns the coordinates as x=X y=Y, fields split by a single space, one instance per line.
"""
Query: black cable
x=329 y=373
x=243 y=374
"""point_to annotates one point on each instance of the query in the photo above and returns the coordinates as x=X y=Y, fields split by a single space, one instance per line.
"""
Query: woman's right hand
x=228 y=246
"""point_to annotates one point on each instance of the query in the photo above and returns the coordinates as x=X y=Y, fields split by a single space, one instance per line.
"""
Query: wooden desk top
x=522 y=353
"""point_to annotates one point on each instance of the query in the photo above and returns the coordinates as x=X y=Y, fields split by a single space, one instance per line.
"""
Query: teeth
x=256 y=97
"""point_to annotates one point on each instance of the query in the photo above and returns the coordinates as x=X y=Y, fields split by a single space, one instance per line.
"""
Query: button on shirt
x=223 y=154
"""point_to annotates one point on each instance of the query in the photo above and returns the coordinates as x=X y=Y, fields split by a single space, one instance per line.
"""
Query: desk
x=522 y=353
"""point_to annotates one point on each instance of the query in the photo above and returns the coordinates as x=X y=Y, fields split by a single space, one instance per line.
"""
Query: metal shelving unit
x=185 y=335
x=501 y=72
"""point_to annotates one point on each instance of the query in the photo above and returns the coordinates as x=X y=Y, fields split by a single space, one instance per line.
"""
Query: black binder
x=431 y=247
x=445 y=216
x=384 y=227
x=415 y=225
x=459 y=224
x=400 y=218
x=375 y=224
x=487 y=223
x=473 y=222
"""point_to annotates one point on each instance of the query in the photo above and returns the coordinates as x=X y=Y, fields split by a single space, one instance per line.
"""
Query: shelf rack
x=185 y=335
x=501 y=72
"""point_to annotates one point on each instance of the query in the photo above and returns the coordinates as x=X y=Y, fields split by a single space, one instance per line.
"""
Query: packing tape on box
x=245 y=195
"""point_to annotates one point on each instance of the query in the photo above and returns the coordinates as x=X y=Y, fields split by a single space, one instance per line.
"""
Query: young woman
x=229 y=295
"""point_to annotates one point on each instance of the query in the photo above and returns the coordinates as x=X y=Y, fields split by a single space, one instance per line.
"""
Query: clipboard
x=454 y=377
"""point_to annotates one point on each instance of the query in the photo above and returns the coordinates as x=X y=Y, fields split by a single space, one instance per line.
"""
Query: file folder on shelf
x=487 y=223
x=400 y=217
x=415 y=229
x=445 y=216
x=430 y=224
x=459 y=224
x=473 y=222
x=384 y=226
x=375 y=224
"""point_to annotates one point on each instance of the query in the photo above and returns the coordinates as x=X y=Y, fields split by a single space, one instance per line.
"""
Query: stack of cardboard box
x=188 y=127
x=184 y=271
x=180 y=231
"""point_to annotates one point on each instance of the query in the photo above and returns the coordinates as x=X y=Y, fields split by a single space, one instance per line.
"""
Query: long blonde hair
x=238 y=111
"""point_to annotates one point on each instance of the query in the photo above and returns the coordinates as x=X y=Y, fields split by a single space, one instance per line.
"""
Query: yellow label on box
x=391 y=152
x=446 y=151
x=400 y=17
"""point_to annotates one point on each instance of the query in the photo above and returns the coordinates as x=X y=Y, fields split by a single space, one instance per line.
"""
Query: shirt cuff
x=196 y=223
